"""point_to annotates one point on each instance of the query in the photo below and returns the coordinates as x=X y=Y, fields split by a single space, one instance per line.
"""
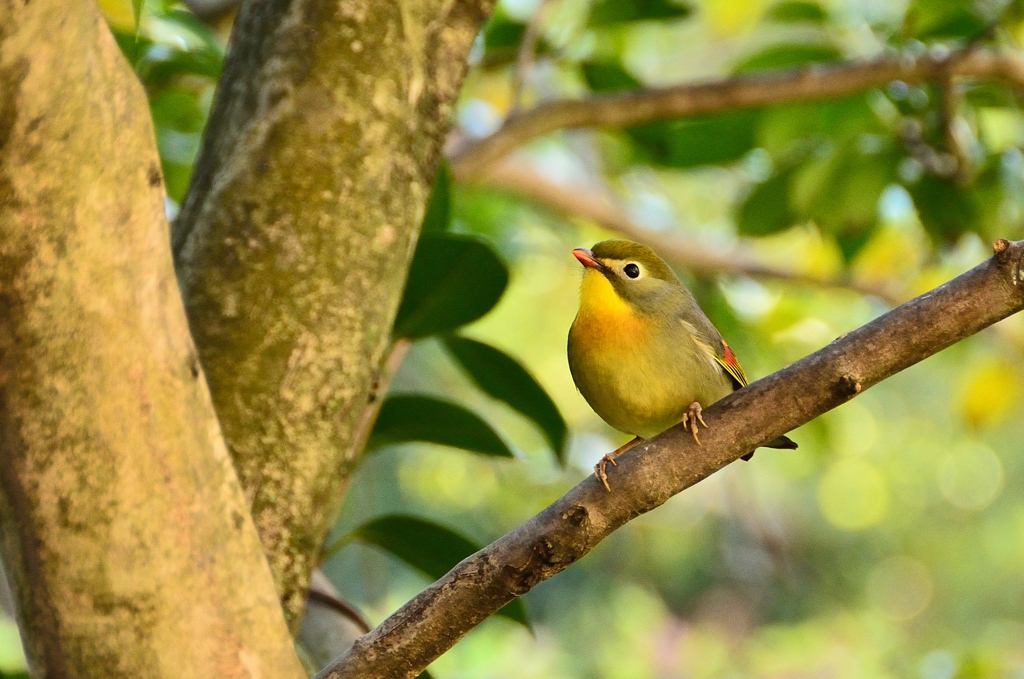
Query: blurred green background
x=891 y=544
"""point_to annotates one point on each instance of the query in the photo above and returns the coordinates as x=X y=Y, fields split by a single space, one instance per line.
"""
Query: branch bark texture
x=123 y=527
x=812 y=83
x=293 y=244
x=655 y=470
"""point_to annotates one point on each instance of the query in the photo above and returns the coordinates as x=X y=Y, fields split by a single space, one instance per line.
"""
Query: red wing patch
x=732 y=365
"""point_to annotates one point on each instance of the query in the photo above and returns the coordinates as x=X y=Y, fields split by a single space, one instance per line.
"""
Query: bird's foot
x=692 y=417
x=601 y=467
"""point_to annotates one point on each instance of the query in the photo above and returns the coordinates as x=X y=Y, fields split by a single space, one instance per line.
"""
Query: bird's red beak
x=586 y=258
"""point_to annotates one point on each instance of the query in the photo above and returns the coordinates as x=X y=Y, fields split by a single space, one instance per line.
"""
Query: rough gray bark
x=655 y=470
x=293 y=244
x=123 y=527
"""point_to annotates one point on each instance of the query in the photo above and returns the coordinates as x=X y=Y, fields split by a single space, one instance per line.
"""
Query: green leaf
x=946 y=209
x=503 y=32
x=798 y=11
x=840 y=190
x=789 y=56
x=157 y=67
x=938 y=19
x=767 y=209
x=841 y=119
x=407 y=418
x=502 y=37
x=176 y=179
x=137 y=11
x=177 y=109
x=453 y=280
x=428 y=547
x=697 y=141
x=607 y=12
x=502 y=377
x=608 y=76
x=194 y=27
x=438 y=214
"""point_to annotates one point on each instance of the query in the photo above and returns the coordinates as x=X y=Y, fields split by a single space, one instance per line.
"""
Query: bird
x=642 y=352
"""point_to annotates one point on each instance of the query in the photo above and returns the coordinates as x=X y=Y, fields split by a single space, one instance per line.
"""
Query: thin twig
x=950 y=111
x=341 y=607
x=655 y=470
x=598 y=207
x=810 y=83
x=527 y=53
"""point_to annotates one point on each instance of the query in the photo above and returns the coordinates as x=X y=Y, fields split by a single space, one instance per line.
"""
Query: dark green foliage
x=789 y=56
x=607 y=12
x=406 y=418
x=608 y=76
x=137 y=10
x=767 y=209
x=453 y=280
x=502 y=377
x=798 y=11
x=159 y=68
x=946 y=209
x=697 y=141
x=502 y=37
x=178 y=110
x=437 y=217
x=839 y=189
x=944 y=19
x=787 y=129
x=428 y=547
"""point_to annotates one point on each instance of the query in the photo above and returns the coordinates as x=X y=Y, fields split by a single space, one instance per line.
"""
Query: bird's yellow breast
x=605 y=319
x=637 y=373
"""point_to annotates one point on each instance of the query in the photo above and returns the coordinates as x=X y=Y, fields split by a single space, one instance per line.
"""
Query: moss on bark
x=124 y=529
x=293 y=244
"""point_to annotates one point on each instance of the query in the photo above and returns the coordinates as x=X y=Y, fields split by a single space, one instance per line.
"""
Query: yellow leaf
x=120 y=14
x=989 y=391
x=729 y=18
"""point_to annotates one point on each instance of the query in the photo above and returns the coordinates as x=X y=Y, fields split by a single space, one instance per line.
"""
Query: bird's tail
x=783 y=442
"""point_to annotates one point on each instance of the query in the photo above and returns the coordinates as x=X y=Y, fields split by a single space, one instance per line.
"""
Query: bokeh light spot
x=989 y=393
x=939 y=664
x=970 y=476
x=900 y=587
x=853 y=495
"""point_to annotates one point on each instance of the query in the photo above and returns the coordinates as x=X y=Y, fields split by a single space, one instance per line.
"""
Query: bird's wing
x=731 y=365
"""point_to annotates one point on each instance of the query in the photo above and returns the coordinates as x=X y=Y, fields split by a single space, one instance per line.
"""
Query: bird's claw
x=601 y=474
x=601 y=468
x=692 y=417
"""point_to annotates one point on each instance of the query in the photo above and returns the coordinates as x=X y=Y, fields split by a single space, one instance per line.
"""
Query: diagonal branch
x=657 y=469
x=601 y=209
x=811 y=83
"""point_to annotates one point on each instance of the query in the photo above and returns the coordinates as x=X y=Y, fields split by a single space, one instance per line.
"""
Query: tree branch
x=600 y=208
x=123 y=527
x=527 y=53
x=294 y=241
x=812 y=83
x=657 y=469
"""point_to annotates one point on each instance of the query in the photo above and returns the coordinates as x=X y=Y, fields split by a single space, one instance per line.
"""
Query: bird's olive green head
x=636 y=273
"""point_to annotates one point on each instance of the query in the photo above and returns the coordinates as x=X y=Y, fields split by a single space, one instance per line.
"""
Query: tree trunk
x=293 y=244
x=124 y=529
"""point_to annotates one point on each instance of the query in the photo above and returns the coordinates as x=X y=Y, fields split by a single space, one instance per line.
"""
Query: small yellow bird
x=641 y=350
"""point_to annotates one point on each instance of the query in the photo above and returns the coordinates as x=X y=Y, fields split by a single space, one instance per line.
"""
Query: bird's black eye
x=631 y=270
